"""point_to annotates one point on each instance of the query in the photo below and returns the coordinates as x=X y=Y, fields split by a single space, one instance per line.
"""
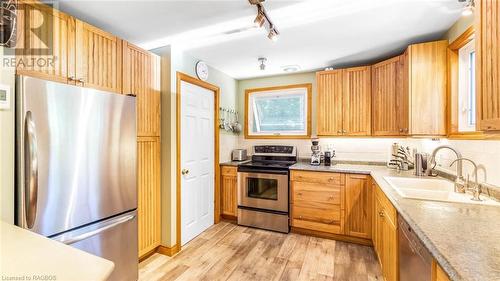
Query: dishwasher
x=415 y=261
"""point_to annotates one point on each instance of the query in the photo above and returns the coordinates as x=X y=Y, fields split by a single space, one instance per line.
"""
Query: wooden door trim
x=191 y=80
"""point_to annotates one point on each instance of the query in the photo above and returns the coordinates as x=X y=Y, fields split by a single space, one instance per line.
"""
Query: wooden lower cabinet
x=229 y=191
x=438 y=273
x=148 y=194
x=385 y=235
x=317 y=201
x=358 y=206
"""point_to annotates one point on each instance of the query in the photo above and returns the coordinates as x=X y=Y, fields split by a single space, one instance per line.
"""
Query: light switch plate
x=4 y=96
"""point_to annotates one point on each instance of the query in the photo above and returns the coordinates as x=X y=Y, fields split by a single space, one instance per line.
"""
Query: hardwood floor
x=230 y=252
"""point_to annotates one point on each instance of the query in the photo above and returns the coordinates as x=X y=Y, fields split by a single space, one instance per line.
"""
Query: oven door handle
x=262 y=171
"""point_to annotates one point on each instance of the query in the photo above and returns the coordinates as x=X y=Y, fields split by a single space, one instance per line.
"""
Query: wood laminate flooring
x=229 y=252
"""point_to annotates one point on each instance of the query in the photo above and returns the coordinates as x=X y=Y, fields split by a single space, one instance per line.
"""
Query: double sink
x=433 y=189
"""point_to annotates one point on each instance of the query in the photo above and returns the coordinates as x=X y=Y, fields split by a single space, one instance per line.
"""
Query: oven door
x=267 y=191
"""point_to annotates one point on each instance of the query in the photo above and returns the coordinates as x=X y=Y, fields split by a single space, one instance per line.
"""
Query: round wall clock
x=202 y=70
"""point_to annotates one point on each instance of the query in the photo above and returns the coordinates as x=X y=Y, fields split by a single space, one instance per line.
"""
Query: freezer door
x=75 y=154
x=113 y=239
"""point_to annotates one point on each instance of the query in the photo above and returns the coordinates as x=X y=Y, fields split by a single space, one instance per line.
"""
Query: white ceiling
x=314 y=33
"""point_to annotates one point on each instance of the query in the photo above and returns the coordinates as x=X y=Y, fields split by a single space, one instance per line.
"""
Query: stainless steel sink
x=433 y=189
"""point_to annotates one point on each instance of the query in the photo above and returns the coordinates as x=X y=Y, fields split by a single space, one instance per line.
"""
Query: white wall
x=7 y=143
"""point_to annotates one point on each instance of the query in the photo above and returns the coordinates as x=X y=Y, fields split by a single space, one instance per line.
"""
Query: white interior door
x=197 y=160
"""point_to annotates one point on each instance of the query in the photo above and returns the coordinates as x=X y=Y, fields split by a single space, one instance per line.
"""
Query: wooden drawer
x=229 y=171
x=318 y=216
x=388 y=208
x=307 y=192
x=318 y=177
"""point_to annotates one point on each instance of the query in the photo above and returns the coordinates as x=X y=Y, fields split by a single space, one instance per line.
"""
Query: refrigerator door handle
x=31 y=170
x=74 y=239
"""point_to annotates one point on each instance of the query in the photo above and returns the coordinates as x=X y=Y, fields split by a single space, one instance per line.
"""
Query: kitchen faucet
x=476 y=187
x=459 y=182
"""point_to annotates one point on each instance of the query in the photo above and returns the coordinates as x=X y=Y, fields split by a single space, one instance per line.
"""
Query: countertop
x=25 y=255
x=463 y=238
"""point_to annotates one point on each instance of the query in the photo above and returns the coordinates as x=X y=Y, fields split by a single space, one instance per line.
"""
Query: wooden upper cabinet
x=487 y=60
x=98 y=62
x=44 y=43
x=344 y=102
x=358 y=206
x=141 y=78
x=357 y=101
x=329 y=109
x=388 y=98
x=426 y=76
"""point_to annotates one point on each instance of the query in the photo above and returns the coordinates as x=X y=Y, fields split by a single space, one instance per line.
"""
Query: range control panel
x=274 y=149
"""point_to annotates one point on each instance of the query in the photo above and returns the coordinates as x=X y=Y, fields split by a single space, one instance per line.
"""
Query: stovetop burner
x=272 y=157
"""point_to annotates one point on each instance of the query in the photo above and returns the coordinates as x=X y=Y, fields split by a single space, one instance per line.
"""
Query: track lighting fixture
x=262 y=20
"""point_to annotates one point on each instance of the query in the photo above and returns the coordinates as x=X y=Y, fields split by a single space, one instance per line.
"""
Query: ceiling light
x=262 y=62
x=290 y=68
x=273 y=35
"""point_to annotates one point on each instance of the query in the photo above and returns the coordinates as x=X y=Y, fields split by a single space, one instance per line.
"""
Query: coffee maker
x=316 y=153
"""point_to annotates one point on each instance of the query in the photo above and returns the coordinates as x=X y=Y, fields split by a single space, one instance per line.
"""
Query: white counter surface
x=25 y=255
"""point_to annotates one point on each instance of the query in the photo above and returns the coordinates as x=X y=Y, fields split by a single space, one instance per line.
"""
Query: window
x=278 y=112
x=467 y=88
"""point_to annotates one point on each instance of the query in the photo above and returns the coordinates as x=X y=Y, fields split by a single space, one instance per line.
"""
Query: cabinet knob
x=184 y=172
x=71 y=78
x=344 y=131
x=81 y=80
x=339 y=132
x=381 y=214
x=400 y=130
x=300 y=193
x=331 y=197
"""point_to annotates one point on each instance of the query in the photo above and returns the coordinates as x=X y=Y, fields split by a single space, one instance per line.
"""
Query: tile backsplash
x=486 y=154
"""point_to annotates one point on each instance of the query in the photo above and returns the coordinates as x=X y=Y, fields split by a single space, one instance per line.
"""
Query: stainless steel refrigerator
x=76 y=169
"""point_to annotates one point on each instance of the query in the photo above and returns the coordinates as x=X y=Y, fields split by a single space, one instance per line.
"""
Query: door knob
x=184 y=172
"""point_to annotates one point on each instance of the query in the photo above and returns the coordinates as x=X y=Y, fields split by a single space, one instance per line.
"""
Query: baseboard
x=229 y=218
x=168 y=251
x=350 y=239
x=147 y=255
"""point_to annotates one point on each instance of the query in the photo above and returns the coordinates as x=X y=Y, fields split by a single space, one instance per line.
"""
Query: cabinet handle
x=300 y=193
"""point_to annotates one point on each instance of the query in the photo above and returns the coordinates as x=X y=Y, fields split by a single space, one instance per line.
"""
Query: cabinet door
x=329 y=104
x=377 y=228
x=427 y=86
x=487 y=60
x=98 y=58
x=389 y=250
x=358 y=206
x=148 y=194
x=229 y=191
x=386 y=91
x=45 y=42
x=357 y=101
x=141 y=78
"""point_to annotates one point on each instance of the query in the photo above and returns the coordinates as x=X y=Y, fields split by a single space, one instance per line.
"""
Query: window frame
x=249 y=92
x=453 y=89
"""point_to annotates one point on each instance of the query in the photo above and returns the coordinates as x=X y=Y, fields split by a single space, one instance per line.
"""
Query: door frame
x=189 y=79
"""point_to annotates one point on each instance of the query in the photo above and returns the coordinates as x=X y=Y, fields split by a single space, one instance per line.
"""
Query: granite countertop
x=25 y=255
x=463 y=238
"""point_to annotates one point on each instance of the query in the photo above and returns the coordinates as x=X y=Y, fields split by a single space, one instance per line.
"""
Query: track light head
x=260 y=19
x=273 y=35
